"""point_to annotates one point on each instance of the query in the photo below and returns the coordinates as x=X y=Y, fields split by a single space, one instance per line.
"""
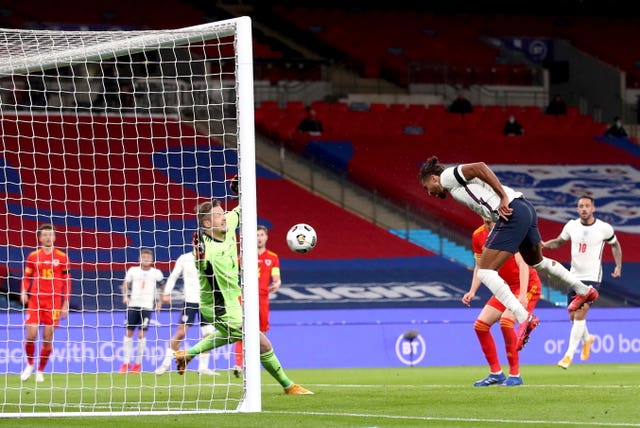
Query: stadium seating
x=424 y=46
x=387 y=160
x=110 y=200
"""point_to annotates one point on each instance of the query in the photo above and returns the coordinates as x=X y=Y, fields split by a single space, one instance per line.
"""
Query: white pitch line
x=511 y=422
x=439 y=386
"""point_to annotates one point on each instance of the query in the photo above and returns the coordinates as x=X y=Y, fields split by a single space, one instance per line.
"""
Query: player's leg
x=482 y=327
x=584 y=293
x=264 y=327
x=237 y=352
x=581 y=315
x=223 y=334
x=503 y=242
x=45 y=351
x=134 y=319
x=32 y=327
x=578 y=327
x=490 y=261
x=272 y=365
x=142 y=340
x=203 y=359
x=520 y=231
x=507 y=323
x=187 y=317
x=587 y=338
x=533 y=296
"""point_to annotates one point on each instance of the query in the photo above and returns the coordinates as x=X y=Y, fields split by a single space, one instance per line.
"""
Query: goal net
x=114 y=138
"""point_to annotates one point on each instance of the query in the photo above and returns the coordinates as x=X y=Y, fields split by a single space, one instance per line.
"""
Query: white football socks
x=503 y=293
x=585 y=332
x=203 y=363
x=577 y=330
x=556 y=270
x=168 y=357
x=141 y=344
x=127 y=346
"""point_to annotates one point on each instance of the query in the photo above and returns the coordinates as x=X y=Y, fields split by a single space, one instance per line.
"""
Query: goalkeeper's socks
x=272 y=365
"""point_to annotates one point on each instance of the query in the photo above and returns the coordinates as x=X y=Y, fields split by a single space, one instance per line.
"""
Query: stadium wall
x=349 y=338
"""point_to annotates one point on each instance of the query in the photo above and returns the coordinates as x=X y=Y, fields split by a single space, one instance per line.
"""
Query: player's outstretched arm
x=552 y=244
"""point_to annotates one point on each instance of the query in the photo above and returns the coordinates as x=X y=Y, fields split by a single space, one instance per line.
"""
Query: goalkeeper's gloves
x=198 y=245
x=233 y=185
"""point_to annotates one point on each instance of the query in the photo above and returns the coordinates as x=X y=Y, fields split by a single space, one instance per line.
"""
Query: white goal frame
x=46 y=54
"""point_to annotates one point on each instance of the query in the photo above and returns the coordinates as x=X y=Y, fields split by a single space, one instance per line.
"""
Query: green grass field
x=583 y=395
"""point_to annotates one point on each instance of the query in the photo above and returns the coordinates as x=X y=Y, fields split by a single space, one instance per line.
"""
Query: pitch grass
x=584 y=395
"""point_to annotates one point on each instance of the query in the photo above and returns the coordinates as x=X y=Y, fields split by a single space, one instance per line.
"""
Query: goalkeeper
x=216 y=255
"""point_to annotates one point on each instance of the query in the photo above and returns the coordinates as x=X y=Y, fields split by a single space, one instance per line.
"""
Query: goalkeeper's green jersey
x=219 y=277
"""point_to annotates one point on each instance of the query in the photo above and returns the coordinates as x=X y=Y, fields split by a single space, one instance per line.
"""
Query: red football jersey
x=509 y=270
x=46 y=278
x=267 y=262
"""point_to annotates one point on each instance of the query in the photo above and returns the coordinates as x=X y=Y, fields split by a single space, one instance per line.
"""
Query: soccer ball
x=301 y=238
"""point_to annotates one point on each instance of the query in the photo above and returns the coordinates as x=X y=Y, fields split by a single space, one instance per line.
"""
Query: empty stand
x=387 y=160
x=107 y=201
x=421 y=46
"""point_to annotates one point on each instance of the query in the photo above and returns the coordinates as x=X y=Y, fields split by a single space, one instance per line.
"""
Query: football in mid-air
x=301 y=238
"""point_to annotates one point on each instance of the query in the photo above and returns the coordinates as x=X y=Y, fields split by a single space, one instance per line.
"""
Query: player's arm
x=483 y=172
x=477 y=244
x=159 y=286
x=523 y=269
x=66 y=294
x=27 y=278
x=475 y=282
x=171 y=281
x=276 y=282
x=125 y=290
x=552 y=244
x=616 y=249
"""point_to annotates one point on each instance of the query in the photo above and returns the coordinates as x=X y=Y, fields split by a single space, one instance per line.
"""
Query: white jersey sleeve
x=475 y=193
x=186 y=267
x=159 y=276
x=173 y=276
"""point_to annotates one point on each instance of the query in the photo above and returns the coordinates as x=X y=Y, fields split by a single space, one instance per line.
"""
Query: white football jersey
x=143 y=286
x=587 y=243
x=185 y=266
x=474 y=193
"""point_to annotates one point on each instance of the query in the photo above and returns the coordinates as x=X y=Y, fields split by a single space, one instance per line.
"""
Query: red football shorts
x=41 y=316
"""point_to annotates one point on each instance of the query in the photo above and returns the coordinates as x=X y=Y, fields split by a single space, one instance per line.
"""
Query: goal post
x=114 y=137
